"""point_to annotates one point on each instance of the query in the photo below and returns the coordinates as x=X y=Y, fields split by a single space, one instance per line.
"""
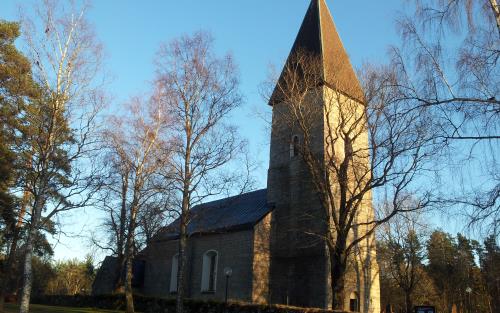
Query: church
x=247 y=242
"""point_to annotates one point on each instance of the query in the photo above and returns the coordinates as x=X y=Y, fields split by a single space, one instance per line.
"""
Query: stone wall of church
x=261 y=261
x=298 y=261
x=234 y=249
x=363 y=277
x=158 y=257
x=299 y=268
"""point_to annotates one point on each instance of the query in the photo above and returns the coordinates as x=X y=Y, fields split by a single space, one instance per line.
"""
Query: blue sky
x=257 y=32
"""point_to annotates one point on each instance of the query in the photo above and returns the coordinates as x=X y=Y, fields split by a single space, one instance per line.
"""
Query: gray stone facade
x=234 y=250
x=246 y=252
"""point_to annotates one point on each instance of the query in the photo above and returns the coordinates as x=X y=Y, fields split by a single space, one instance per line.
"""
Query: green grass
x=35 y=308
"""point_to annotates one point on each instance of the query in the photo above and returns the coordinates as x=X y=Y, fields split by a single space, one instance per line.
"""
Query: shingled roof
x=229 y=214
x=318 y=36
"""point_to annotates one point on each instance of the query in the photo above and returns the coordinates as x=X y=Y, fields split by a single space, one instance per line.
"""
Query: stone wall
x=158 y=257
x=299 y=273
x=235 y=250
x=106 y=277
x=261 y=260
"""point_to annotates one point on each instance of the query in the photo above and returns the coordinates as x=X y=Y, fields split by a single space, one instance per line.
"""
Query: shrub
x=162 y=305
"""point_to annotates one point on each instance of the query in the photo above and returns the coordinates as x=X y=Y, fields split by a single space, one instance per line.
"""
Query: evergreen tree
x=457 y=277
x=490 y=268
x=15 y=85
x=16 y=90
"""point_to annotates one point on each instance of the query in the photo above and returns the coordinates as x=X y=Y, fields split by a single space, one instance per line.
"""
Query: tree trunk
x=129 y=297
x=8 y=268
x=121 y=235
x=180 y=272
x=338 y=264
x=408 y=302
x=28 y=277
x=496 y=13
x=184 y=218
x=27 y=273
x=182 y=253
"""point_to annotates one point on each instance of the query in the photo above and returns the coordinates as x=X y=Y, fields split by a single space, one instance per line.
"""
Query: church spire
x=318 y=36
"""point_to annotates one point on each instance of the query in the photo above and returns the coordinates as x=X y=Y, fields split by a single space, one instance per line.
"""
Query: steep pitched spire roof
x=318 y=36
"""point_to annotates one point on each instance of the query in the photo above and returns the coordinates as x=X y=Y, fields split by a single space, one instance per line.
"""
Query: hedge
x=161 y=305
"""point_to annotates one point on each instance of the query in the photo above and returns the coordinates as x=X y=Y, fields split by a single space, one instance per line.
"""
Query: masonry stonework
x=234 y=250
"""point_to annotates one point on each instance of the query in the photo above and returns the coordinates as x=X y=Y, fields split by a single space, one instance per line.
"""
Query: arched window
x=209 y=271
x=354 y=302
x=294 y=146
x=173 y=273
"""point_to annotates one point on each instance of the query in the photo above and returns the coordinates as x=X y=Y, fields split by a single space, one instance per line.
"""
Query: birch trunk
x=183 y=241
x=182 y=268
x=496 y=13
x=121 y=235
x=28 y=273
x=129 y=297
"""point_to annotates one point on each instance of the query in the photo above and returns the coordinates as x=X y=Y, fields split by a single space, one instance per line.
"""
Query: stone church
x=253 y=234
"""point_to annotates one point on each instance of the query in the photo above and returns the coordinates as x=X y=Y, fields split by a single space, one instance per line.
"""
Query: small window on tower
x=294 y=146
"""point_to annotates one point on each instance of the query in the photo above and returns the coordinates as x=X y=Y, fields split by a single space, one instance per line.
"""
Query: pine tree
x=16 y=90
x=490 y=268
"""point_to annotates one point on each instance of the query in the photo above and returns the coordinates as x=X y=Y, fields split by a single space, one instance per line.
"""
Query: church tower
x=300 y=269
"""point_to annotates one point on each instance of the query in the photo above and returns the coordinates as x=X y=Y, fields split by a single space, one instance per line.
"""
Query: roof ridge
x=229 y=198
x=321 y=42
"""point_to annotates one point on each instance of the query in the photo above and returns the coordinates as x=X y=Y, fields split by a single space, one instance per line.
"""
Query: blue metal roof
x=229 y=214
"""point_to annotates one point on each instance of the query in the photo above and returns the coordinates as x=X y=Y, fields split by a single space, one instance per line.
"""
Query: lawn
x=35 y=308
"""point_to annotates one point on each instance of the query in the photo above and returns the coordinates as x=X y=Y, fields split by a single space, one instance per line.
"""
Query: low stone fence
x=160 y=305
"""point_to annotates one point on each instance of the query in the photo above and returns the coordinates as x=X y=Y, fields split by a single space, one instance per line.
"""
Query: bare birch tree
x=449 y=63
x=139 y=154
x=201 y=90
x=58 y=174
x=371 y=144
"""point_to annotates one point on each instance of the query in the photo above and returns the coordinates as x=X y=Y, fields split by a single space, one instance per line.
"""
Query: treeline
x=68 y=277
x=453 y=273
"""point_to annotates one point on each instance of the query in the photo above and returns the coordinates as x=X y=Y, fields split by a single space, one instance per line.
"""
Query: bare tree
x=363 y=147
x=139 y=152
x=449 y=63
x=124 y=147
x=58 y=173
x=201 y=90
